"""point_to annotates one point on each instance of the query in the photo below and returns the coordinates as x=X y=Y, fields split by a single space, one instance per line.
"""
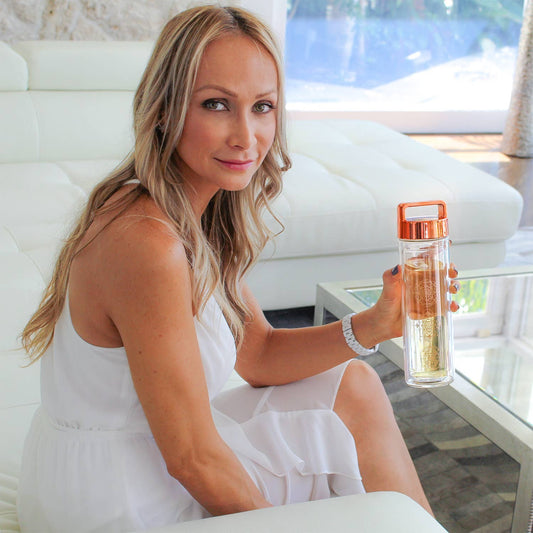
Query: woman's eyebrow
x=268 y=93
x=231 y=93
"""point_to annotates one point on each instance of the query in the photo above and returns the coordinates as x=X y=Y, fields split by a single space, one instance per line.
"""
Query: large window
x=447 y=62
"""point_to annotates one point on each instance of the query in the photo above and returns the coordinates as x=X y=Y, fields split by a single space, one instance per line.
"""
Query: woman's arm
x=149 y=301
x=271 y=356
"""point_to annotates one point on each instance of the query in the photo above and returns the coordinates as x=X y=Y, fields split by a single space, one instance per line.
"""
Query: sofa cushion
x=21 y=287
x=14 y=422
x=19 y=129
x=82 y=66
x=20 y=386
x=88 y=172
x=363 y=513
x=14 y=71
x=106 y=117
x=7 y=243
x=37 y=193
x=319 y=210
x=19 y=398
x=384 y=169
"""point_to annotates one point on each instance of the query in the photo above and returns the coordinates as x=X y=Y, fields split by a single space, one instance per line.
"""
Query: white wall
x=109 y=19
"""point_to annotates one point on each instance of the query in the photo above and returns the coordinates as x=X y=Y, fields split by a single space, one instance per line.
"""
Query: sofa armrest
x=365 y=513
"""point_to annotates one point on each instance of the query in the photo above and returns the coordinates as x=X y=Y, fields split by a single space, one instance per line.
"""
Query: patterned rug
x=470 y=482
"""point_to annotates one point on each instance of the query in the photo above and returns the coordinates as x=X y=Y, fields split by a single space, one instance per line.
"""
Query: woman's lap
x=312 y=454
x=316 y=392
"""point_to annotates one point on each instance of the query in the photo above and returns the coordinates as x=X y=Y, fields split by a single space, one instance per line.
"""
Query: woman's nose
x=242 y=133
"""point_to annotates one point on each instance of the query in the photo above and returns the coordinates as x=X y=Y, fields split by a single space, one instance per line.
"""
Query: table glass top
x=493 y=337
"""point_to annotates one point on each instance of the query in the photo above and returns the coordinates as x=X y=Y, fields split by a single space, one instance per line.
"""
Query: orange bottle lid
x=422 y=227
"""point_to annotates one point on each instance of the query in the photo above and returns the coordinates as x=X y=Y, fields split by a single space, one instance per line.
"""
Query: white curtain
x=518 y=132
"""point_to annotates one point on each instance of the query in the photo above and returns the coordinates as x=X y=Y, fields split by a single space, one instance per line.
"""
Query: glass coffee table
x=493 y=338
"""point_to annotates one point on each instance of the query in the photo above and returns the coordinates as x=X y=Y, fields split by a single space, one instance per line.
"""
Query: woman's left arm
x=270 y=356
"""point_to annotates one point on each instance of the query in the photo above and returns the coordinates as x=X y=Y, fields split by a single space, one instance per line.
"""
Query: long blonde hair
x=232 y=232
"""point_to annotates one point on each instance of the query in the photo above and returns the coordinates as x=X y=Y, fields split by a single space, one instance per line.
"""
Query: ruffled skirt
x=288 y=439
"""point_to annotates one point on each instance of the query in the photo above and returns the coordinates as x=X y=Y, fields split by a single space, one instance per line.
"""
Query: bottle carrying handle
x=443 y=212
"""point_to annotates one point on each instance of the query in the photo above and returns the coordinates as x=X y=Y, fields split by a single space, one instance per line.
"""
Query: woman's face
x=231 y=121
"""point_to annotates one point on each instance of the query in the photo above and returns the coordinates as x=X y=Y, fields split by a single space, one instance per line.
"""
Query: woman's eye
x=264 y=107
x=215 y=105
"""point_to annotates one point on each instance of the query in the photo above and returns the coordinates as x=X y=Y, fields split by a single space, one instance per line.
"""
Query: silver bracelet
x=351 y=341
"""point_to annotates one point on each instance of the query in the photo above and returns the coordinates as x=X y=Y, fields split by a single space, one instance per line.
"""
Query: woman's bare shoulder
x=144 y=235
x=128 y=257
x=147 y=270
x=127 y=246
x=143 y=210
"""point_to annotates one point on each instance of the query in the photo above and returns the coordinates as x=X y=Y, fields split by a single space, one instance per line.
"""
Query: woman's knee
x=360 y=378
x=360 y=390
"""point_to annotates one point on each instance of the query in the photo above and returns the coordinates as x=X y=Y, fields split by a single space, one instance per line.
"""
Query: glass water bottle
x=426 y=299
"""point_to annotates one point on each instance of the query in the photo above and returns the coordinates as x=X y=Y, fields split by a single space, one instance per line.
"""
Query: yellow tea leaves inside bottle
x=425 y=279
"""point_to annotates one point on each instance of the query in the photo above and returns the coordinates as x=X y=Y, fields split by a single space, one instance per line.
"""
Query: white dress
x=91 y=464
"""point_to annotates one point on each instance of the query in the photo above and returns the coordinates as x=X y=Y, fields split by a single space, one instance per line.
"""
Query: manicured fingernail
x=395 y=270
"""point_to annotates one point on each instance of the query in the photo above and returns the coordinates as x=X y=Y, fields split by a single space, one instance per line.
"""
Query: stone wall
x=88 y=19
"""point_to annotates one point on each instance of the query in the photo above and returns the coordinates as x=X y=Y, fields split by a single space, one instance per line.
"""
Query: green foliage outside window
x=472 y=297
x=369 y=297
x=500 y=13
x=390 y=9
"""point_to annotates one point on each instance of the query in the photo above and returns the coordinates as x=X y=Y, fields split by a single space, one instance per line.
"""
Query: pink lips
x=234 y=164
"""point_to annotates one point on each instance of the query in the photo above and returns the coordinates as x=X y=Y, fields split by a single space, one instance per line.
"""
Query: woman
x=147 y=314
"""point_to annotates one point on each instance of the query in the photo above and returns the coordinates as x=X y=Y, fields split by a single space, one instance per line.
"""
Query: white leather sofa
x=65 y=122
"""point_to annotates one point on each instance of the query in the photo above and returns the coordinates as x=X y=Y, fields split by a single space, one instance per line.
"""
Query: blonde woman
x=147 y=314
